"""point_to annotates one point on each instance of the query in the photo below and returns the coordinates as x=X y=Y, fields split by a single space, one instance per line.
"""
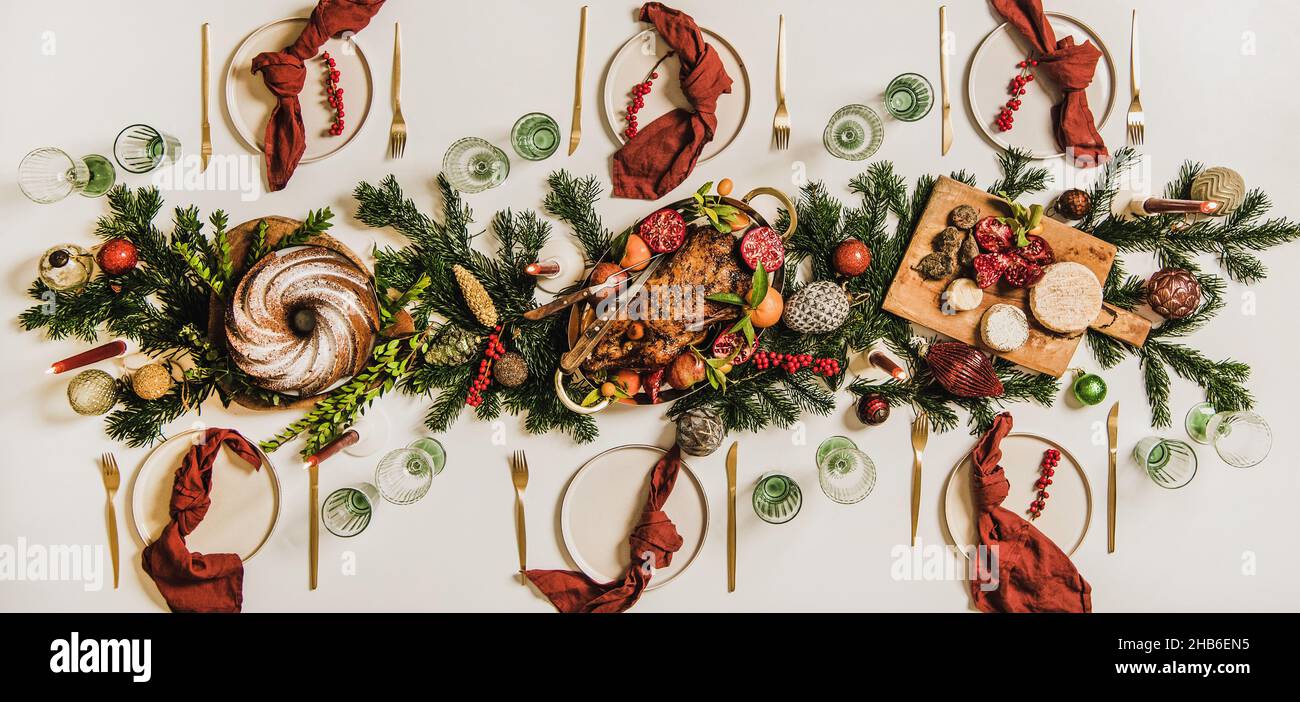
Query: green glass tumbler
x=535 y=136
x=347 y=511
x=909 y=97
x=1168 y=462
x=777 y=498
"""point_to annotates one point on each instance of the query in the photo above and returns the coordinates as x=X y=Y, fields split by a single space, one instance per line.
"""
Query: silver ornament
x=818 y=308
x=92 y=392
x=700 y=431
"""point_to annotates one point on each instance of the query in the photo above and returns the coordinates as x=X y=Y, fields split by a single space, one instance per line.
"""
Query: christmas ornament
x=963 y=370
x=964 y=217
x=1222 y=185
x=818 y=308
x=852 y=257
x=1088 y=388
x=873 y=409
x=65 y=267
x=700 y=431
x=1173 y=293
x=511 y=370
x=1046 y=469
x=117 y=256
x=151 y=381
x=1074 y=204
x=476 y=296
x=452 y=347
x=92 y=392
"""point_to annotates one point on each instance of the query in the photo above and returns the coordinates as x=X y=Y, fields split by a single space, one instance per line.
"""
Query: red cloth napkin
x=194 y=582
x=1071 y=66
x=663 y=153
x=1032 y=573
x=655 y=534
x=284 y=75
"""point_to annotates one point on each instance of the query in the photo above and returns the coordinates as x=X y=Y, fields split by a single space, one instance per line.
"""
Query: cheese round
x=1004 y=328
x=1067 y=299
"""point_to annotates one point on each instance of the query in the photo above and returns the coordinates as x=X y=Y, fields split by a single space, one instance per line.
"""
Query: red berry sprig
x=1046 y=469
x=795 y=362
x=334 y=93
x=639 y=91
x=495 y=349
x=1006 y=120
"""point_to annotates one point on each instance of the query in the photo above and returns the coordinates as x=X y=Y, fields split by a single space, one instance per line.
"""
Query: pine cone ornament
x=818 y=308
x=700 y=432
x=1173 y=293
x=452 y=346
x=476 y=296
x=511 y=370
x=1074 y=204
x=963 y=370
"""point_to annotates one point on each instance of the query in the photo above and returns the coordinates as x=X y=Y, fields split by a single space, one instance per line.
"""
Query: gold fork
x=781 y=122
x=920 y=437
x=519 y=476
x=1136 y=118
x=397 y=133
x=112 y=480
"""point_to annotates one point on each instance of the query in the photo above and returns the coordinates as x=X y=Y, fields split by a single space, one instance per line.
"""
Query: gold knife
x=920 y=437
x=731 y=516
x=1112 y=430
x=943 y=78
x=313 y=472
x=205 y=148
x=575 y=132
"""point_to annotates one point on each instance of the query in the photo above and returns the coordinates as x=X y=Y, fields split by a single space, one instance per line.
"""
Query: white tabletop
x=1217 y=89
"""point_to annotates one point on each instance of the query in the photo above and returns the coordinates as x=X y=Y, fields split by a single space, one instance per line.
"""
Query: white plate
x=990 y=75
x=603 y=502
x=1068 y=513
x=249 y=103
x=245 y=502
x=632 y=63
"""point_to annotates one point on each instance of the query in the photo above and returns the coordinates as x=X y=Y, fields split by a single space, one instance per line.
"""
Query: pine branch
x=1019 y=178
x=573 y=201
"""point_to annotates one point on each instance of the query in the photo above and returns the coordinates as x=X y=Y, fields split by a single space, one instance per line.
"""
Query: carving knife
x=592 y=335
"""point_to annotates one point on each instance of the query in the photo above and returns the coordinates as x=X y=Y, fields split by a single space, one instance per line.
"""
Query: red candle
x=882 y=361
x=548 y=268
x=85 y=358
x=343 y=441
x=1160 y=205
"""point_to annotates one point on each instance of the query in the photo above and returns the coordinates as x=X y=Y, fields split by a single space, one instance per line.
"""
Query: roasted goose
x=707 y=259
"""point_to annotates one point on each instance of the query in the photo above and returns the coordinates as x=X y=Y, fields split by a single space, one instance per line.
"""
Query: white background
x=471 y=68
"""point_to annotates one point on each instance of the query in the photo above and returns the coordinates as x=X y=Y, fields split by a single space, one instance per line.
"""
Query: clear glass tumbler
x=140 y=148
x=404 y=475
x=854 y=133
x=472 y=165
x=347 y=511
x=48 y=175
x=1169 y=462
x=777 y=498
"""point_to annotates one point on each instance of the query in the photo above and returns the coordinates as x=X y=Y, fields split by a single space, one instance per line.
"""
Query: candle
x=85 y=358
x=1160 y=205
x=550 y=268
x=882 y=361
x=343 y=441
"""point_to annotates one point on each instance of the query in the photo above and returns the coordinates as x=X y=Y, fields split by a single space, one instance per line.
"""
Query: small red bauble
x=852 y=257
x=873 y=409
x=117 y=256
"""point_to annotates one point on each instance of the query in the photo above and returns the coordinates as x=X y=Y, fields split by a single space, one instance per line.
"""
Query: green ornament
x=1089 y=388
x=452 y=346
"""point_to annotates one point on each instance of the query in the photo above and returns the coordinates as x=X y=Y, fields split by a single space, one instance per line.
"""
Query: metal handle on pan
x=785 y=202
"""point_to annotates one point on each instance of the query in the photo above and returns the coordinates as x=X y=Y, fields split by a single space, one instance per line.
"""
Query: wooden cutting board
x=916 y=299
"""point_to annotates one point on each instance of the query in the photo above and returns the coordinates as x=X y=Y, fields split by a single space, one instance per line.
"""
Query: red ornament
x=963 y=370
x=1046 y=469
x=873 y=409
x=852 y=257
x=117 y=256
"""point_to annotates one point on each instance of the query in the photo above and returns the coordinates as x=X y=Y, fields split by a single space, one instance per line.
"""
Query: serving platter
x=249 y=103
x=603 y=502
x=582 y=315
x=1068 y=514
x=633 y=62
x=918 y=299
x=245 y=502
x=991 y=69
